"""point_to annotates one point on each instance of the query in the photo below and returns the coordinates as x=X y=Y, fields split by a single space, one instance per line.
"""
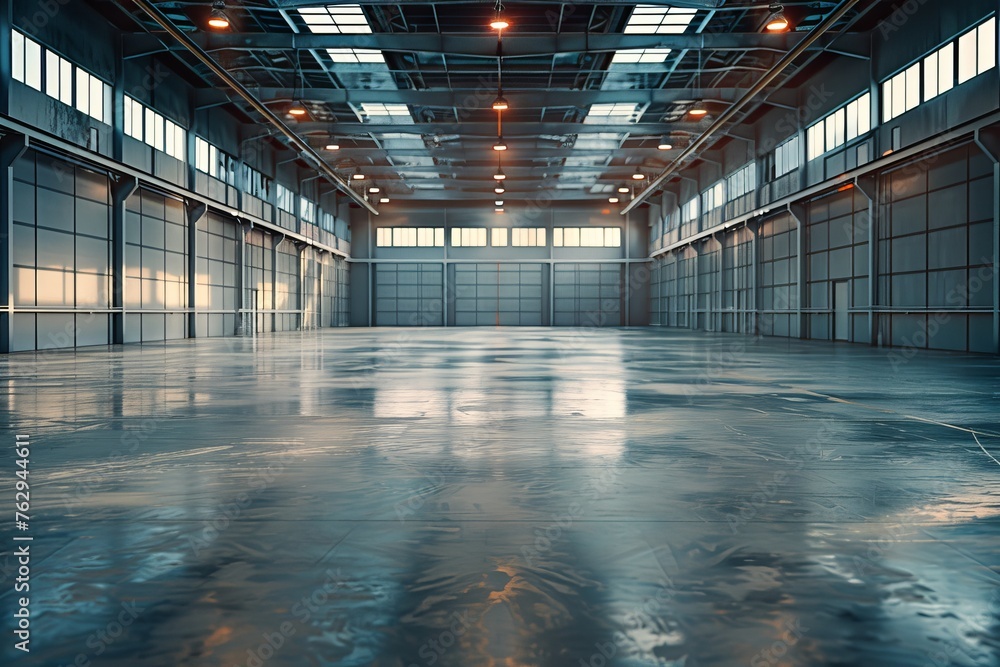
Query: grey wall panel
x=61 y=253
x=935 y=241
x=215 y=270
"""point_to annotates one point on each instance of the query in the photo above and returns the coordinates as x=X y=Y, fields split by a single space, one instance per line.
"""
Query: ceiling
x=405 y=88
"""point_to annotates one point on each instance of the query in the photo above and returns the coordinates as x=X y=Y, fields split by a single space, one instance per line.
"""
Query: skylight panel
x=618 y=112
x=335 y=19
x=377 y=112
x=641 y=56
x=355 y=55
x=655 y=20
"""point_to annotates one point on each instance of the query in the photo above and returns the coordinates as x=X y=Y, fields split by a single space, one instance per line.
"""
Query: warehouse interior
x=500 y=333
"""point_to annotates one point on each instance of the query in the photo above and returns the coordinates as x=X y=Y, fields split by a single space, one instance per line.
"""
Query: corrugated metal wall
x=933 y=225
x=63 y=266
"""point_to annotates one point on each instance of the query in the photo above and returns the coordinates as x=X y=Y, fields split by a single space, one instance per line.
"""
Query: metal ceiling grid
x=435 y=63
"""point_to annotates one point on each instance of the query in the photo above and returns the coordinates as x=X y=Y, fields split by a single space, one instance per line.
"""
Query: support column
x=722 y=278
x=241 y=281
x=12 y=146
x=275 y=242
x=988 y=139
x=6 y=64
x=124 y=188
x=867 y=185
x=195 y=213
x=300 y=299
x=753 y=280
x=798 y=212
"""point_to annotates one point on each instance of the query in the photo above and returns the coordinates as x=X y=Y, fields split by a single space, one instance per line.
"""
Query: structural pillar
x=124 y=188
x=12 y=146
x=798 y=212
x=988 y=139
x=195 y=212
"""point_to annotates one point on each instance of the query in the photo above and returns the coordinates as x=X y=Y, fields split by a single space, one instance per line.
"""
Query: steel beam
x=511 y=129
x=482 y=97
x=515 y=45
x=814 y=37
x=303 y=147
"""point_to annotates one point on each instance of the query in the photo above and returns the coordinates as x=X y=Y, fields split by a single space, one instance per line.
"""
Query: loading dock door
x=492 y=294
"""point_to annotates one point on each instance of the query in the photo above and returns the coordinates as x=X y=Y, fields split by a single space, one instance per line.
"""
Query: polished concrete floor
x=468 y=497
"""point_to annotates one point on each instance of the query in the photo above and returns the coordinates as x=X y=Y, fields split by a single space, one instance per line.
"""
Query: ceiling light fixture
x=776 y=22
x=499 y=22
x=498 y=210
x=500 y=103
x=698 y=110
x=217 y=19
x=297 y=110
x=499 y=190
x=664 y=144
x=638 y=175
x=623 y=189
x=333 y=147
x=499 y=202
x=357 y=175
x=612 y=200
x=500 y=145
x=383 y=200
x=374 y=189
x=499 y=176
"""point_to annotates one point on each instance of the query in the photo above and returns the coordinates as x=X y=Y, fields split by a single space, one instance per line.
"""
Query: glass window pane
x=33 y=64
x=987 y=45
x=967 y=55
x=82 y=91
x=557 y=237
x=66 y=82
x=96 y=98
x=17 y=56
x=52 y=74
x=864 y=114
x=930 y=76
x=913 y=87
x=439 y=236
x=887 y=101
x=898 y=95
x=946 y=68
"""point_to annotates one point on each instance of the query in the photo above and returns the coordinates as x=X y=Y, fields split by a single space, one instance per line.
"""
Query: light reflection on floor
x=508 y=497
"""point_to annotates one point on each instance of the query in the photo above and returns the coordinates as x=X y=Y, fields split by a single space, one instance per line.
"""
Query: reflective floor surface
x=505 y=497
